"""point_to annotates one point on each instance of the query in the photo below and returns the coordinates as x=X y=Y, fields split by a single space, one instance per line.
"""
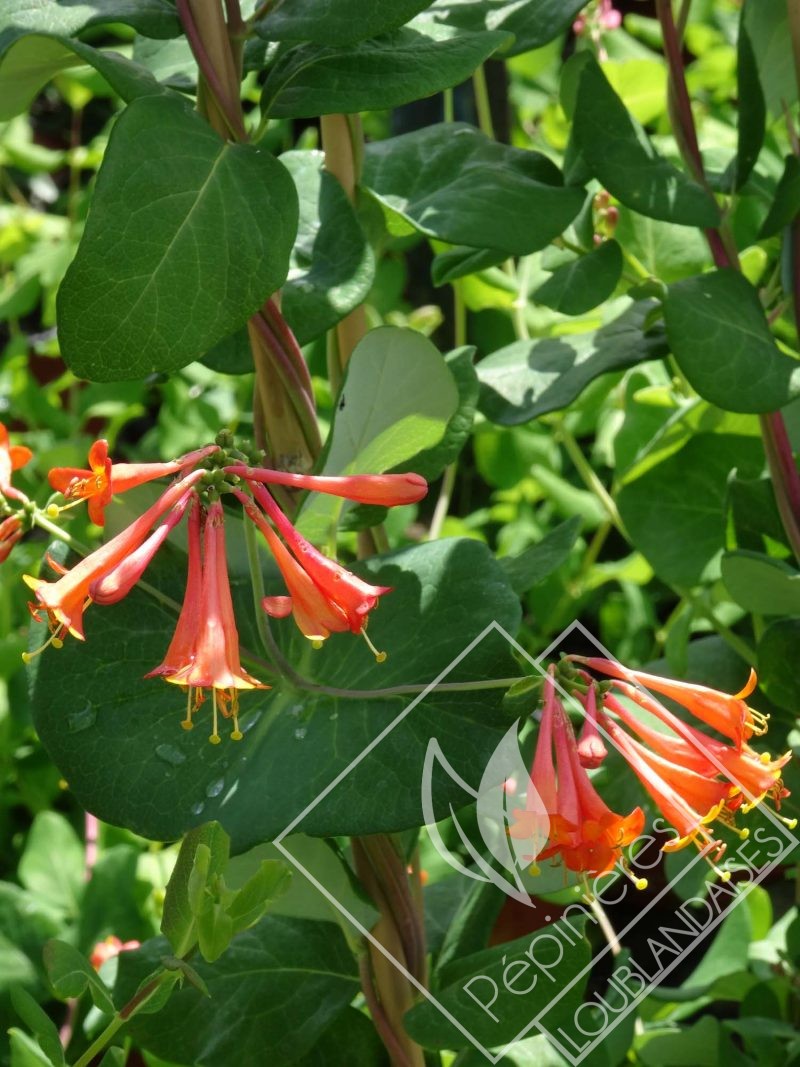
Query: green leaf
x=539 y=561
x=675 y=512
x=270 y=882
x=296 y=741
x=387 y=71
x=332 y=266
x=786 y=201
x=186 y=886
x=114 y=1057
x=351 y=1038
x=342 y=23
x=451 y=182
x=220 y=220
x=579 y=286
x=777 y=665
x=761 y=584
x=622 y=158
x=324 y=863
x=70 y=974
x=667 y=251
x=30 y=62
x=154 y=18
x=752 y=112
x=284 y=982
x=466 y=985
x=397 y=399
x=529 y=378
x=52 y=865
x=39 y=1023
x=461 y=260
x=533 y=23
x=214 y=931
x=720 y=338
x=767 y=25
x=430 y=462
x=25 y=1052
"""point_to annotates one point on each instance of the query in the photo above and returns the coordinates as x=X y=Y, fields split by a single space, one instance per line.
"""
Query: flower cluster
x=694 y=779
x=203 y=656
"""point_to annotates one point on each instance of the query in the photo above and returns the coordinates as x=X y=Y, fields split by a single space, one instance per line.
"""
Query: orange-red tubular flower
x=117 y=583
x=104 y=478
x=688 y=801
x=352 y=596
x=584 y=831
x=389 y=490
x=12 y=457
x=10 y=533
x=66 y=599
x=591 y=749
x=213 y=662
x=753 y=774
x=181 y=648
x=315 y=616
x=725 y=712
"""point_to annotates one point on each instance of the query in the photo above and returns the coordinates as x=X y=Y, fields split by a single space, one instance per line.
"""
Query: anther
x=316 y=643
x=187 y=723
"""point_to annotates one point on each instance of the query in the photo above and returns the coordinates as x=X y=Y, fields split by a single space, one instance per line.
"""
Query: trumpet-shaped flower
x=388 y=490
x=66 y=599
x=584 y=831
x=754 y=776
x=213 y=662
x=726 y=713
x=103 y=479
x=688 y=801
x=12 y=458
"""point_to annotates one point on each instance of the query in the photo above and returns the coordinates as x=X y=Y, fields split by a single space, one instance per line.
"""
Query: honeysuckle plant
x=352 y=353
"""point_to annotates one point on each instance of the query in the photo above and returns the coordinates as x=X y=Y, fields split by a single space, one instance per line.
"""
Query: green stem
x=448 y=105
x=100 y=1042
x=590 y=478
x=482 y=105
x=738 y=644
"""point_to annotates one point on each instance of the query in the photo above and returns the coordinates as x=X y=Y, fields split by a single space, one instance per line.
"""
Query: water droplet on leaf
x=170 y=755
x=81 y=720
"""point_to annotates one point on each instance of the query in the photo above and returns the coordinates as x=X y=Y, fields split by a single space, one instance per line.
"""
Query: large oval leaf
x=451 y=182
x=186 y=237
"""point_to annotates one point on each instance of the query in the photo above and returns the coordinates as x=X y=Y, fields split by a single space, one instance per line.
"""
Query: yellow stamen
x=534 y=870
x=380 y=657
x=53 y=640
x=316 y=642
x=187 y=723
x=638 y=883
x=214 y=738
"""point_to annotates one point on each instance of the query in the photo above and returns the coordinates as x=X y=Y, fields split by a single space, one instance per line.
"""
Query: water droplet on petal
x=170 y=755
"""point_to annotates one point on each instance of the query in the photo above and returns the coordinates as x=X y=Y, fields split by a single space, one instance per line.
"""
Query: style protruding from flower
x=204 y=656
x=584 y=832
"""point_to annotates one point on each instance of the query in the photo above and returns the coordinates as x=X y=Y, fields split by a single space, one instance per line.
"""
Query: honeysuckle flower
x=10 y=533
x=117 y=583
x=104 y=478
x=315 y=616
x=675 y=792
x=12 y=458
x=386 y=489
x=66 y=599
x=586 y=834
x=345 y=601
x=753 y=775
x=726 y=713
x=213 y=662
